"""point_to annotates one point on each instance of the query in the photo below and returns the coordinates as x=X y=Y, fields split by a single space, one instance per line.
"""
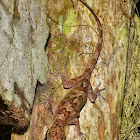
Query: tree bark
x=23 y=60
x=73 y=38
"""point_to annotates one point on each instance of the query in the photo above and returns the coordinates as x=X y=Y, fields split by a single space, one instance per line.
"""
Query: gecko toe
x=81 y=136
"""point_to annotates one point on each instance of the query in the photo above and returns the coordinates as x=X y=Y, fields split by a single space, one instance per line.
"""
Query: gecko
x=67 y=112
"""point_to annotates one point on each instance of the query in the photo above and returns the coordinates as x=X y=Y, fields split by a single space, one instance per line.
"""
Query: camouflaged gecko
x=68 y=110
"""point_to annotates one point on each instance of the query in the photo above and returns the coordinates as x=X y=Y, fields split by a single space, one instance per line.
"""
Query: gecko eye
x=85 y=84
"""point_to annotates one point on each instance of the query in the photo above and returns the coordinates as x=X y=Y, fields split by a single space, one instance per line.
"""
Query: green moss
x=60 y=43
x=122 y=33
x=8 y=96
x=70 y=21
x=17 y=100
x=60 y=21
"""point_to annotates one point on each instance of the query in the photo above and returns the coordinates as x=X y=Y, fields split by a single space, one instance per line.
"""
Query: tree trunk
x=73 y=38
x=23 y=60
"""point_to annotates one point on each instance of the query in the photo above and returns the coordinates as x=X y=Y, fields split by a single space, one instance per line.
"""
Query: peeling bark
x=23 y=61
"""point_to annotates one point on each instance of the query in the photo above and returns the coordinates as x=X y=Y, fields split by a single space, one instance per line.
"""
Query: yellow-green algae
x=70 y=22
x=60 y=43
x=122 y=32
x=8 y=95
x=17 y=100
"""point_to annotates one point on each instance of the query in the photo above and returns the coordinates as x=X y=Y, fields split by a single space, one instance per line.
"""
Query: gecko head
x=85 y=84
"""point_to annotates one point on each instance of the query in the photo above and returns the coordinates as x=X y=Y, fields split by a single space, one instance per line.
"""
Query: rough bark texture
x=23 y=61
x=117 y=69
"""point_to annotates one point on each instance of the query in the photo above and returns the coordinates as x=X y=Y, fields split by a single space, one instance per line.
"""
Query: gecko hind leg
x=55 y=76
x=67 y=83
x=60 y=76
x=78 y=129
x=97 y=91
x=45 y=99
x=49 y=102
x=94 y=94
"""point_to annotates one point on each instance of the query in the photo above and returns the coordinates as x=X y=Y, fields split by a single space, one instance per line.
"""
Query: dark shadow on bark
x=5 y=132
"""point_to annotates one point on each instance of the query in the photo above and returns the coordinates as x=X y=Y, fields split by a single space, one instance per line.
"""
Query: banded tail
x=100 y=38
x=56 y=132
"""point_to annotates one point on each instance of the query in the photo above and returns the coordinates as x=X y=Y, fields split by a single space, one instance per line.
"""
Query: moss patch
x=8 y=96
x=70 y=21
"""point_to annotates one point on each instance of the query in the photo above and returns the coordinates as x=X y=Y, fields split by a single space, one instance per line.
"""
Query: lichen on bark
x=72 y=33
x=23 y=61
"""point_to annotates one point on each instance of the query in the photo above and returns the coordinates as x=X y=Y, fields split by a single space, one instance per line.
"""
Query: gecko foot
x=81 y=136
x=46 y=99
x=97 y=91
x=59 y=76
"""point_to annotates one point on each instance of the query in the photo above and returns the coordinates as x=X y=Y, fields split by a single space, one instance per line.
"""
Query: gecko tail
x=56 y=132
x=100 y=37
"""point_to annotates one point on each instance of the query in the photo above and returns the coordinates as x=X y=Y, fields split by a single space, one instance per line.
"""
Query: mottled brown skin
x=68 y=110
